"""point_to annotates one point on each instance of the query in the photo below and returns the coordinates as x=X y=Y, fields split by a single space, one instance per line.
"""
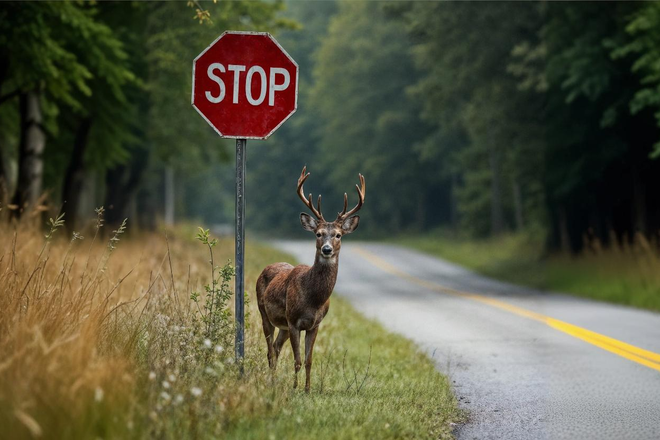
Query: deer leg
x=269 y=332
x=282 y=337
x=295 y=345
x=310 y=338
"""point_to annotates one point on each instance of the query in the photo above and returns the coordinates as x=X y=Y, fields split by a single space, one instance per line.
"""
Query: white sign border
x=192 y=98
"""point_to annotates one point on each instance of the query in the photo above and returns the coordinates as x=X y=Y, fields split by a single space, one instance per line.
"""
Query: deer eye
x=318 y=234
x=338 y=235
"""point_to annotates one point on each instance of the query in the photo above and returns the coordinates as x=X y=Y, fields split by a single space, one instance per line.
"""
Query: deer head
x=329 y=234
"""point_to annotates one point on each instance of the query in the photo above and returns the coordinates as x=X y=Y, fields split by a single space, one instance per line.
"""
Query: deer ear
x=308 y=223
x=350 y=224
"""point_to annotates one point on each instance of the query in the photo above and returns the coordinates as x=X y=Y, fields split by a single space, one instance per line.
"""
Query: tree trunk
x=148 y=205
x=4 y=180
x=517 y=204
x=31 y=149
x=75 y=175
x=496 y=213
x=4 y=177
x=169 y=196
x=88 y=200
x=638 y=201
x=121 y=185
x=421 y=210
x=564 y=238
x=453 y=203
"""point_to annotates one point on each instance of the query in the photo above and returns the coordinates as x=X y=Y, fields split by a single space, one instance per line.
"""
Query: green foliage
x=38 y=34
x=361 y=74
x=353 y=67
x=170 y=44
x=644 y=45
x=122 y=69
x=274 y=166
x=487 y=132
x=486 y=117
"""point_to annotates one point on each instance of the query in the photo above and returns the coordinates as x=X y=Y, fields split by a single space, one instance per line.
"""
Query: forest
x=482 y=118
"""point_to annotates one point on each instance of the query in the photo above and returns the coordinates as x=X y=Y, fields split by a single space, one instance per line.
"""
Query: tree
x=644 y=44
x=170 y=133
x=482 y=124
x=275 y=166
x=45 y=67
x=597 y=150
x=369 y=125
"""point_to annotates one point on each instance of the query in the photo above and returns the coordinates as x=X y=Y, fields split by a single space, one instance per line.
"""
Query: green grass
x=400 y=396
x=627 y=275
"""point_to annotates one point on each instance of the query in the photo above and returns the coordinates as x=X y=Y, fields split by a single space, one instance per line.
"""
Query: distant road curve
x=525 y=364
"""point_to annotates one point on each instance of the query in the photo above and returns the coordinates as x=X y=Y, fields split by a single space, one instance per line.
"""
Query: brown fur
x=294 y=299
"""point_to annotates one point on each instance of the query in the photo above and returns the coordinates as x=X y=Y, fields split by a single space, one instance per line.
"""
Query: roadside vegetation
x=620 y=273
x=123 y=334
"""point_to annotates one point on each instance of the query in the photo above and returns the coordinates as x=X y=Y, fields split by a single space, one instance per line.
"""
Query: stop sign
x=245 y=85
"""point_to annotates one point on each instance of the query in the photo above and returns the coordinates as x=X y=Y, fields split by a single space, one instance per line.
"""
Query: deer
x=296 y=299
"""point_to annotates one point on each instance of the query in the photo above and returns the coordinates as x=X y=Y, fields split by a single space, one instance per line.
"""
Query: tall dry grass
x=99 y=337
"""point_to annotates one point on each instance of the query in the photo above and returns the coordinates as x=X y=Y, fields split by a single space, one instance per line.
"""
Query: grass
x=624 y=274
x=99 y=338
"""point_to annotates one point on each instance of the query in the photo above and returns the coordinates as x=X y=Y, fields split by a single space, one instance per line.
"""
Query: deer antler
x=361 y=191
x=308 y=202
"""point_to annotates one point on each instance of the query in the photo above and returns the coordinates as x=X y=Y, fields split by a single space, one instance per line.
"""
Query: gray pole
x=240 y=249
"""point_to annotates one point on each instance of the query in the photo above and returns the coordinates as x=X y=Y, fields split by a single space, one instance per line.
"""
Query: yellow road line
x=643 y=357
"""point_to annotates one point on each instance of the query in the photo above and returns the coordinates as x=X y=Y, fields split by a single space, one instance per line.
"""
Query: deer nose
x=326 y=249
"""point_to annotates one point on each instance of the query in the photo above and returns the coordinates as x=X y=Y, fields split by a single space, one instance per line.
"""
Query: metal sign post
x=240 y=250
x=245 y=86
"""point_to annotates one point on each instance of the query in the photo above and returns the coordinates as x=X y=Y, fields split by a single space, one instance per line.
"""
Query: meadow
x=624 y=272
x=128 y=334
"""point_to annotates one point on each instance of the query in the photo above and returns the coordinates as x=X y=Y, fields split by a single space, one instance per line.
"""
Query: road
x=525 y=364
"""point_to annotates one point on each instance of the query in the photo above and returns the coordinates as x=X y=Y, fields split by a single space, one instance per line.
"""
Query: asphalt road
x=525 y=364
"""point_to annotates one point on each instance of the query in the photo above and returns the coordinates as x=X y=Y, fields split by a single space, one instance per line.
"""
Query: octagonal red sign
x=245 y=85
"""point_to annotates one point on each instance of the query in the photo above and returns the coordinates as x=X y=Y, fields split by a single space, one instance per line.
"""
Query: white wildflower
x=196 y=391
x=207 y=343
x=172 y=378
x=166 y=384
x=152 y=375
x=178 y=399
x=98 y=394
x=219 y=349
x=165 y=396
